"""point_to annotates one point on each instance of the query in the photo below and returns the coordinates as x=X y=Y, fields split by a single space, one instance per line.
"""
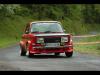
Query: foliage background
x=76 y=18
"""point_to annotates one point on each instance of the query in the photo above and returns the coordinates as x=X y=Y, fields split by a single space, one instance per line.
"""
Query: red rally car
x=45 y=37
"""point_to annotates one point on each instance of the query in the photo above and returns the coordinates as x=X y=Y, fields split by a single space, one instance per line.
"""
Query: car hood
x=51 y=34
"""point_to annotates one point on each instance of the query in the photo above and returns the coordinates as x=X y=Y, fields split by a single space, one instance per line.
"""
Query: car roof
x=45 y=22
x=30 y=23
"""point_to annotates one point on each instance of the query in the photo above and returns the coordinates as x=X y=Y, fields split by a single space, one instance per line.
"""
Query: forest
x=76 y=19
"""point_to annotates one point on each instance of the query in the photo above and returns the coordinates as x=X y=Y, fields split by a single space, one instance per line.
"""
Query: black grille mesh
x=52 y=39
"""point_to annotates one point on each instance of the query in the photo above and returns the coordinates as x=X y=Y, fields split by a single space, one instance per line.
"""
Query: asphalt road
x=10 y=60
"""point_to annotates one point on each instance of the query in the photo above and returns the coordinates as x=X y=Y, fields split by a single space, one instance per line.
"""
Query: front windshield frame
x=46 y=27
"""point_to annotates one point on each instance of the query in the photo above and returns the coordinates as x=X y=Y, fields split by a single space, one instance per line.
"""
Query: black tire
x=68 y=54
x=23 y=52
x=57 y=54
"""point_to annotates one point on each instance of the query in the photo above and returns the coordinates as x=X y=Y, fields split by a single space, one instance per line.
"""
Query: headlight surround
x=64 y=39
x=40 y=40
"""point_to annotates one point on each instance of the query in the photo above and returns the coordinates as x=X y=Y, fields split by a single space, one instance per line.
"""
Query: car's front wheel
x=69 y=54
x=23 y=52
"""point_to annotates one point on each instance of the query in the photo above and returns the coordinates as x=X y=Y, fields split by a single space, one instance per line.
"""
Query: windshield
x=46 y=27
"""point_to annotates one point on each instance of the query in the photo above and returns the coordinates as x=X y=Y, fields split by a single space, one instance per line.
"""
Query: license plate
x=52 y=44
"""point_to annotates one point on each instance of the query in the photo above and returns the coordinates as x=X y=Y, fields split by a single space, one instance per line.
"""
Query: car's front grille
x=52 y=39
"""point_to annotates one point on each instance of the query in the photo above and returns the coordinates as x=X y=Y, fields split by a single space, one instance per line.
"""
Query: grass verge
x=88 y=49
x=6 y=42
x=12 y=28
x=93 y=49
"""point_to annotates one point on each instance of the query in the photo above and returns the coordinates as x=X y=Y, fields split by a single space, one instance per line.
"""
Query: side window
x=27 y=29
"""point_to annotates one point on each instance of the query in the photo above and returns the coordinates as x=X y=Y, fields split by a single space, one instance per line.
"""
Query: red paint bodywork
x=28 y=42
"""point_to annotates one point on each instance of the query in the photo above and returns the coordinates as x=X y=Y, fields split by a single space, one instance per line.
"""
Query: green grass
x=92 y=39
x=89 y=39
x=88 y=49
x=10 y=28
x=6 y=42
x=93 y=49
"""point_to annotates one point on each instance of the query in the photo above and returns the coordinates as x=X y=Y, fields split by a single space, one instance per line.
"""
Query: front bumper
x=43 y=49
